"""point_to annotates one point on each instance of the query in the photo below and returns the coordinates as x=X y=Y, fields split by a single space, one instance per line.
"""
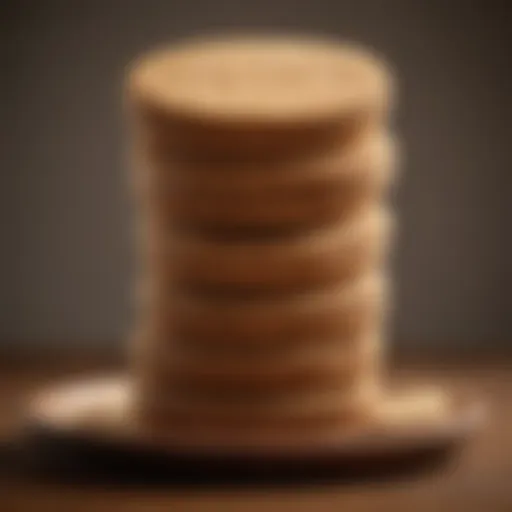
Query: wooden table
x=481 y=480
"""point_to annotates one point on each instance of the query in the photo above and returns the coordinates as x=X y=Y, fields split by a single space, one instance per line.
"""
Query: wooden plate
x=85 y=426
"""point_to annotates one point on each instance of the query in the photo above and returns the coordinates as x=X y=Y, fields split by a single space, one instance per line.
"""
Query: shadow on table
x=43 y=458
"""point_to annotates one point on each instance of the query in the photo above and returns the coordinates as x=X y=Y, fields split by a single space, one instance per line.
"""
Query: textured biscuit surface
x=254 y=79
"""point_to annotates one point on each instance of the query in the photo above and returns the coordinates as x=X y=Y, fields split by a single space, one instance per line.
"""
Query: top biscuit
x=261 y=80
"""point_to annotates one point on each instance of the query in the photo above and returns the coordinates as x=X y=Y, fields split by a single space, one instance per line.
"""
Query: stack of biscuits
x=261 y=167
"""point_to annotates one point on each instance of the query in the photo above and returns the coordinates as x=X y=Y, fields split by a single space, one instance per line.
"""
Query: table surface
x=479 y=480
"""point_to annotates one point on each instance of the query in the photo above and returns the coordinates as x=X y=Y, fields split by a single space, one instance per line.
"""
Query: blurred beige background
x=66 y=258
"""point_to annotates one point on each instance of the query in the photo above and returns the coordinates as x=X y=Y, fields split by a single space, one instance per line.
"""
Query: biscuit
x=286 y=194
x=335 y=313
x=305 y=261
x=258 y=80
x=255 y=97
x=271 y=409
x=334 y=364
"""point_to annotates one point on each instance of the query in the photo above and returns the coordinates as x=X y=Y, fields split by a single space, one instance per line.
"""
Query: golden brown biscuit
x=306 y=261
x=336 y=313
x=324 y=364
x=282 y=195
x=270 y=409
x=257 y=96
x=255 y=79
